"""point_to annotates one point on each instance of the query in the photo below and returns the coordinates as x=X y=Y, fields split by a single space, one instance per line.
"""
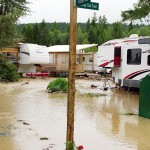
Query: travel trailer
x=129 y=59
x=31 y=55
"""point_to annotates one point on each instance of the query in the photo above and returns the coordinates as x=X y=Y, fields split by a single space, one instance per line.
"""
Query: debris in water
x=128 y=113
x=26 y=123
x=93 y=86
x=25 y=83
x=44 y=138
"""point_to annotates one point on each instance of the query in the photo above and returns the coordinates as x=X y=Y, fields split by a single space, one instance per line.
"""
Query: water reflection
x=131 y=130
x=28 y=113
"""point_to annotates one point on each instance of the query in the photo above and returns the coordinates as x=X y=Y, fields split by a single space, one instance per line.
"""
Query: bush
x=60 y=84
x=8 y=71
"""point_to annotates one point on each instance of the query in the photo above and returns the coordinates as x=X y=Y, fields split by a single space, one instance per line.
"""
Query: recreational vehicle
x=129 y=59
x=30 y=55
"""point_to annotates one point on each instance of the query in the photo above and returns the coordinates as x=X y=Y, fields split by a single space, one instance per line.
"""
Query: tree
x=55 y=37
x=27 y=32
x=94 y=20
x=14 y=8
x=101 y=30
x=88 y=25
x=140 y=10
x=10 y=11
x=36 y=33
x=92 y=32
x=81 y=37
x=43 y=34
x=117 y=30
x=7 y=33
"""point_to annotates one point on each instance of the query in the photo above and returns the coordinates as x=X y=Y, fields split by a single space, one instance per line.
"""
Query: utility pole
x=71 y=74
x=87 y=4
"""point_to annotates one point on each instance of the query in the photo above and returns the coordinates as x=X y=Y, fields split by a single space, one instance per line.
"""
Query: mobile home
x=59 y=58
x=128 y=58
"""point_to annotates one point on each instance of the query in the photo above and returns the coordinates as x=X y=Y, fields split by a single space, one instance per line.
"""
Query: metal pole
x=71 y=74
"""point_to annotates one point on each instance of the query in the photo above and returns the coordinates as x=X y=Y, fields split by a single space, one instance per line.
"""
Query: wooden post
x=71 y=74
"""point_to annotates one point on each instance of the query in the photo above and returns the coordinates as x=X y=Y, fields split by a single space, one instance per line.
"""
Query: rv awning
x=65 y=48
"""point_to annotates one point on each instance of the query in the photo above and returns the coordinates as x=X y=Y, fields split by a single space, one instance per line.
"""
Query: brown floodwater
x=31 y=119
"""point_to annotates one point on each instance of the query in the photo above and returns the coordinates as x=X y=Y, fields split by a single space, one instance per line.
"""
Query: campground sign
x=80 y=2
x=87 y=4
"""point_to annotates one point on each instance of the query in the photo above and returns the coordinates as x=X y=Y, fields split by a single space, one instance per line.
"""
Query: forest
x=96 y=30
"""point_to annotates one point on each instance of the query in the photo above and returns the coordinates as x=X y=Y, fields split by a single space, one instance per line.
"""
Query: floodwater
x=31 y=119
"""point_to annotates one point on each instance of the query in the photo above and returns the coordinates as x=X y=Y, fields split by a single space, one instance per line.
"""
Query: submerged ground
x=31 y=119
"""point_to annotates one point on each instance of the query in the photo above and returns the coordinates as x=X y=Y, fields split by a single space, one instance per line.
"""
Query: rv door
x=117 y=56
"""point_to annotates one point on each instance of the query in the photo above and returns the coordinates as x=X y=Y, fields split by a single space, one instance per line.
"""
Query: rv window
x=83 y=58
x=90 y=60
x=144 y=41
x=134 y=56
x=148 y=60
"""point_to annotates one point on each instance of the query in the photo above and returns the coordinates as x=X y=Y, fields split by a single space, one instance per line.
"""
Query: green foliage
x=37 y=33
x=6 y=31
x=8 y=71
x=140 y=10
x=10 y=11
x=28 y=34
x=117 y=30
x=15 y=9
x=93 y=49
x=70 y=146
x=96 y=30
x=59 y=84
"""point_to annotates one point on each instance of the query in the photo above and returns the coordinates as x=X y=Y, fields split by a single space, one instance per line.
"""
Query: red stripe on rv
x=129 y=40
x=128 y=76
x=106 y=63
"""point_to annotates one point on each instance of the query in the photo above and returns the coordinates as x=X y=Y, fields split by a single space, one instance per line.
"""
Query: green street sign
x=80 y=2
x=89 y=5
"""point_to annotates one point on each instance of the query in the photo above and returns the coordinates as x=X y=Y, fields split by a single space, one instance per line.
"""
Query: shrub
x=8 y=71
x=59 y=84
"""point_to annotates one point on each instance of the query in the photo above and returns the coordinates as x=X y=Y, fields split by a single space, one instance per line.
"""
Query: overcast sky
x=59 y=10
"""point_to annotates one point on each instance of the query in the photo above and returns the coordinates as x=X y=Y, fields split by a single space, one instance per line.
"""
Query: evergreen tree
x=36 y=33
x=88 y=25
x=43 y=34
x=117 y=30
x=27 y=32
x=92 y=32
x=102 y=30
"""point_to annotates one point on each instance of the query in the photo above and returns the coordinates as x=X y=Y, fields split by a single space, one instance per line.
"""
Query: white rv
x=30 y=55
x=129 y=59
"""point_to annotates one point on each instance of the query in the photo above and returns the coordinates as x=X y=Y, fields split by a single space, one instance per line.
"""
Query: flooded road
x=31 y=119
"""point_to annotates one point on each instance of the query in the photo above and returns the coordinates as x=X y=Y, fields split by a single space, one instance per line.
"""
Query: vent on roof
x=133 y=36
